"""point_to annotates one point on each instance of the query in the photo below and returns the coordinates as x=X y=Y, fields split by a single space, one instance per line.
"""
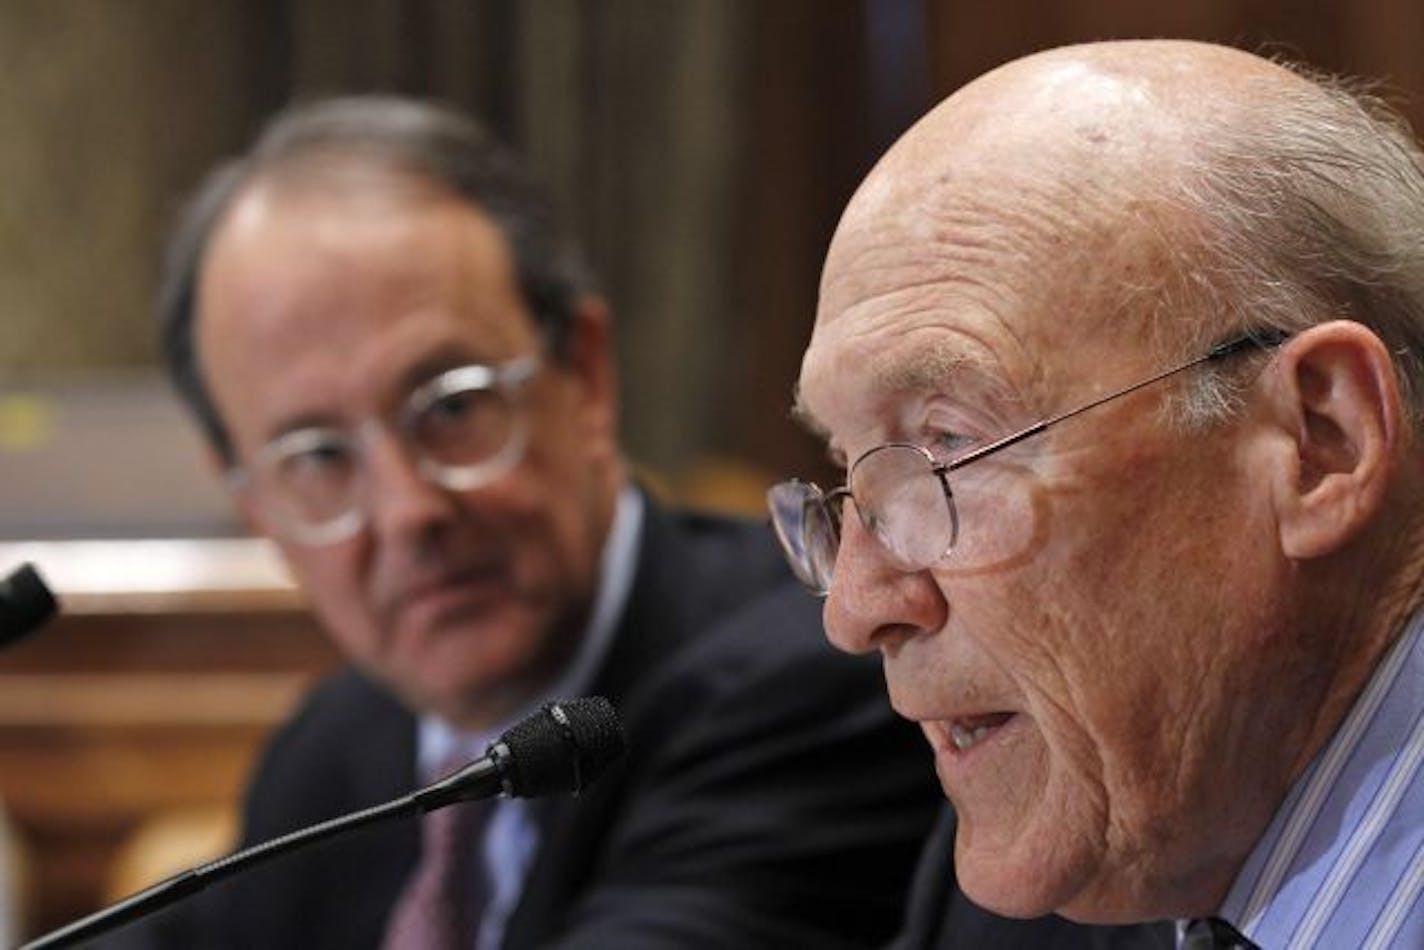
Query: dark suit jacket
x=769 y=797
x=942 y=918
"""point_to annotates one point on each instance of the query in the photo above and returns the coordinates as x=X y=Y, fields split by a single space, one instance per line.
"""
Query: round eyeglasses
x=913 y=516
x=464 y=429
x=903 y=495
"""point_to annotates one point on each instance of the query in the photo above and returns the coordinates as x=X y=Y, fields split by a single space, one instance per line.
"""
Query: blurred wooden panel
x=1375 y=39
x=1382 y=39
x=98 y=454
x=150 y=696
x=809 y=141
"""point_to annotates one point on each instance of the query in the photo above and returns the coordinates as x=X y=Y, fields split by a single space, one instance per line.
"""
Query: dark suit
x=769 y=797
x=942 y=918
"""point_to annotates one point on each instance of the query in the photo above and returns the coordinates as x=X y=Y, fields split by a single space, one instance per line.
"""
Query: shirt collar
x=1315 y=836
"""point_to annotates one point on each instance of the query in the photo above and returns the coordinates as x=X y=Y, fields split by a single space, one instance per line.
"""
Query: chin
x=1034 y=888
x=469 y=702
x=1015 y=898
x=1021 y=877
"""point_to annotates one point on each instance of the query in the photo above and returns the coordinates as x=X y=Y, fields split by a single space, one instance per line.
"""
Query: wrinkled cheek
x=1004 y=521
x=336 y=593
x=575 y=550
x=1068 y=764
x=542 y=566
x=359 y=636
x=1030 y=850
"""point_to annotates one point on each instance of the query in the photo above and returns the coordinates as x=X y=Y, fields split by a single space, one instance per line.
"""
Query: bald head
x=1107 y=108
x=1086 y=657
x=1170 y=189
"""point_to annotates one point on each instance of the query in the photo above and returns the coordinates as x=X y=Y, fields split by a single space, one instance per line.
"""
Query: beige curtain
x=628 y=110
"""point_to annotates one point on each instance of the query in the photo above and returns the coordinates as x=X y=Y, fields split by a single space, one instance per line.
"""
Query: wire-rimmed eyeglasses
x=903 y=496
x=464 y=429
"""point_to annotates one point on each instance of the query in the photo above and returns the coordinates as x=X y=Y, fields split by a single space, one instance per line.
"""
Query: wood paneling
x=144 y=699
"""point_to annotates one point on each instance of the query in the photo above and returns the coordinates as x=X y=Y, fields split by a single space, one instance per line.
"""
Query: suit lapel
x=654 y=623
x=381 y=768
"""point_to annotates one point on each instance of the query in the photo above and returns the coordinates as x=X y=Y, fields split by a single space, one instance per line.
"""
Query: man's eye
x=947 y=444
x=318 y=459
x=453 y=406
x=312 y=454
x=321 y=455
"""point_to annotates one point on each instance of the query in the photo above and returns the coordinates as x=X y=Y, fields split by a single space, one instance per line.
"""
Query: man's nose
x=872 y=603
x=401 y=500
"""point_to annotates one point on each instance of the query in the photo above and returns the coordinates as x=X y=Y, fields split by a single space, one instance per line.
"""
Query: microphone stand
x=483 y=778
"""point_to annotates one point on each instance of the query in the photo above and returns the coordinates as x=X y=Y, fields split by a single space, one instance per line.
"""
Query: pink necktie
x=441 y=904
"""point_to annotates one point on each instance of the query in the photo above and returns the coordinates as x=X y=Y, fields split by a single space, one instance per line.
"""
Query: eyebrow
x=933 y=369
x=804 y=417
x=298 y=423
x=444 y=357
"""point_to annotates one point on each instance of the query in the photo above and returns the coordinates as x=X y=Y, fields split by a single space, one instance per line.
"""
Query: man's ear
x=591 y=360
x=1336 y=399
x=242 y=503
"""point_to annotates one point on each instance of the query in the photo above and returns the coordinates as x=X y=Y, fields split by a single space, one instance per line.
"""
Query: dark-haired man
x=408 y=383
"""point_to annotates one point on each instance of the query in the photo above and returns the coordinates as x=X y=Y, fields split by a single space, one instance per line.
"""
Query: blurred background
x=702 y=151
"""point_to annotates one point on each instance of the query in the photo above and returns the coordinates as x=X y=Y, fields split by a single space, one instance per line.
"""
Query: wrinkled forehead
x=868 y=388
x=982 y=291
x=874 y=376
x=997 y=249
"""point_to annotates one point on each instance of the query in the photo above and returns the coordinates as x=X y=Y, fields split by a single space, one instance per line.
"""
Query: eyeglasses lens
x=310 y=475
x=903 y=503
x=799 y=518
x=463 y=427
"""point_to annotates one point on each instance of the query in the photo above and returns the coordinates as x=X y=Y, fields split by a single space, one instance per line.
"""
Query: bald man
x=1122 y=348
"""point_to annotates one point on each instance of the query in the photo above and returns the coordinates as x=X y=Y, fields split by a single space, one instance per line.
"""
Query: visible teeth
x=963 y=737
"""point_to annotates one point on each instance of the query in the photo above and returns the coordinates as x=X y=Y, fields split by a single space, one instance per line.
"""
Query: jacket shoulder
x=316 y=764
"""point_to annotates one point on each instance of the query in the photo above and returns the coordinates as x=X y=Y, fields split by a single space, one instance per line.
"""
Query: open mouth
x=969 y=731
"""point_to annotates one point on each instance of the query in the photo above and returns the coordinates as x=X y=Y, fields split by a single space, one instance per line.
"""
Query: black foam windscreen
x=25 y=603
x=562 y=748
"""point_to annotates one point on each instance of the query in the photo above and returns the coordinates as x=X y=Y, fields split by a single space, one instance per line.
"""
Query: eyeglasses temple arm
x=1264 y=339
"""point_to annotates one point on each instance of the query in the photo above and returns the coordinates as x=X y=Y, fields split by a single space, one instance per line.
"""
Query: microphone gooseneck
x=560 y=748
x=26 y=603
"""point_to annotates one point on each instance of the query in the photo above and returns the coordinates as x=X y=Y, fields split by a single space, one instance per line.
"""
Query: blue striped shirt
x=1342 y=862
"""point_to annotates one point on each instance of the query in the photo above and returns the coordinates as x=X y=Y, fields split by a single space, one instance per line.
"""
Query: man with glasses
x=1122 y=350
x=409 y=385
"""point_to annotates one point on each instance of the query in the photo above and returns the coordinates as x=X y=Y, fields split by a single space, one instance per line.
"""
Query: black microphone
x=561 y=748
x=26 y=603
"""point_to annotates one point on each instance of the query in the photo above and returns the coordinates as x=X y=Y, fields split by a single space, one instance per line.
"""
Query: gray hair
x=1308 y=207
x=427 y=141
